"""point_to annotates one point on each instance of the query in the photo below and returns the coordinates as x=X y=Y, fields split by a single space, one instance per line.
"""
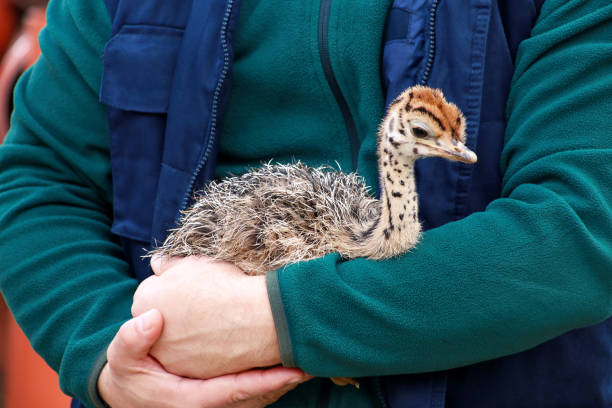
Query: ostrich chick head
x=421 y=123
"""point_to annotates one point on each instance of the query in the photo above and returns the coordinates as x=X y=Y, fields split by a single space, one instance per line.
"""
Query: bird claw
x=342 y=381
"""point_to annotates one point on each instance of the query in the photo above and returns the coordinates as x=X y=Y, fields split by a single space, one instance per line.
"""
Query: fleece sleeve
x=537 y=263
x=61 y=271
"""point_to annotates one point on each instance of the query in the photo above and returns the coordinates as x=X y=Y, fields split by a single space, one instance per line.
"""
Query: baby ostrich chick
x=283 y=214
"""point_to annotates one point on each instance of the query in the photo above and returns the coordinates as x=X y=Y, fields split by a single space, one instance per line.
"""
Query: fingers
x=273 y=396
x=265 y=385
x=161 y=264
x=133 y=379
x=135 y=338
x=259 y=382
x=146 y=291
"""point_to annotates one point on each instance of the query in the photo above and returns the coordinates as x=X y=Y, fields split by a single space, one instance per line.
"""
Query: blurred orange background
x=25 y=379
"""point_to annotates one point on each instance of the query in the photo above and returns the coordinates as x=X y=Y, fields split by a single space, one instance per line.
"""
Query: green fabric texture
x=281 y=108
x=55 y=201
x=534 y=265
x=537 y=263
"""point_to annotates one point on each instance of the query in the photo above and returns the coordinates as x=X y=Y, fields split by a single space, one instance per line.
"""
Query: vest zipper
x=215 y=103
x=380 y=396
x=431 y=51
x=351 y=129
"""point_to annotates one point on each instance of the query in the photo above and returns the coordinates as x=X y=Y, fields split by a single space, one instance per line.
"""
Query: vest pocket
x=139 y=64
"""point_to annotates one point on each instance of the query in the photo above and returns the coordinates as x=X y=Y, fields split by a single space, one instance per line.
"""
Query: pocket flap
x=139 y=64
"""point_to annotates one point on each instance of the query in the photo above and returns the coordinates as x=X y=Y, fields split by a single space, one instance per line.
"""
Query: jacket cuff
x=92 y=381
x=280 y=319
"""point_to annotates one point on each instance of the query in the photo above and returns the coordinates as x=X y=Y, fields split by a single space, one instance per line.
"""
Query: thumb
x=135 y=338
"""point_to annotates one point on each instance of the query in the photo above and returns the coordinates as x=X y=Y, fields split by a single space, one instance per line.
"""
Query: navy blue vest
x=167 y=71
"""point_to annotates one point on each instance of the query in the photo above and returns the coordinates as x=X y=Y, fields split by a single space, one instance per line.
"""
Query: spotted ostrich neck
x=398 y=228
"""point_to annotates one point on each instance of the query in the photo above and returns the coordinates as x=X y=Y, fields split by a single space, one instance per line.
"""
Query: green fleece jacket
x=535 y=264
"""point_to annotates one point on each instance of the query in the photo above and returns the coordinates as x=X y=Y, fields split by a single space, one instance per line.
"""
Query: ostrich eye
x=420 y=132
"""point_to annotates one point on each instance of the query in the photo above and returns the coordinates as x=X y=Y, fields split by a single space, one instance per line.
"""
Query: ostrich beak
x=449 y=148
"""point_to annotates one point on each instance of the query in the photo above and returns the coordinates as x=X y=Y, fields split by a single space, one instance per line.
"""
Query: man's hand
x=132 y=379
x=217 y=319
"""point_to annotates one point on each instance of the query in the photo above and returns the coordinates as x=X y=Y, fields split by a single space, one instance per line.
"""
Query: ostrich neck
x=398 y=228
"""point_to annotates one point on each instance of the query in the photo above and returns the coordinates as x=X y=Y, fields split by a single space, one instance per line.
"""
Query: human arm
x=152 y=386
x=59 y=259
x=63 y=272
x=532 y=266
